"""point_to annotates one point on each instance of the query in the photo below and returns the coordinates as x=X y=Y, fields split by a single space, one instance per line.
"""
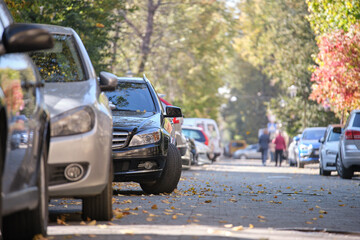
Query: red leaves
x=337 y=78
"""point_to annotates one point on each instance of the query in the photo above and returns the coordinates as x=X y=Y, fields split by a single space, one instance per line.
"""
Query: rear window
x=357 y=120
x=130 y=96
x=62 y=63
x=195 y=134
x=313 y=134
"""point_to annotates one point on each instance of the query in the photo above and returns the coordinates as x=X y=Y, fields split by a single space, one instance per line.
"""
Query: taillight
x=352 y=135
x=175 y=120
x=206 y=138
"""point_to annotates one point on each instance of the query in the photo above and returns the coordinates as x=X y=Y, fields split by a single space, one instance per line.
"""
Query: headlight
x=75 y=121
x=145 y=137
x=304 y=147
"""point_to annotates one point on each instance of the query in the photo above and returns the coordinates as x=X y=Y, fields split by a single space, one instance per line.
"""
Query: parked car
x=250 y=152
x=307 y=150
x=328 y=149
x=143 y=148
x=348 y=157
x=181 y=142
x=201 y=153
x=24 y=131
x=291 y=151
x=209 y=126
x=81 y=124
x=198 y=135
x=235 y=145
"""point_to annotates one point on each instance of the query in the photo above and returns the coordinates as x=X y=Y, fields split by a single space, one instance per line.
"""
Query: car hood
x=314 y=143
x=135 y=121
x=61 y=97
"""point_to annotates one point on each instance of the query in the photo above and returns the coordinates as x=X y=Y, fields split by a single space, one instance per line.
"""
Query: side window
x=357 y=120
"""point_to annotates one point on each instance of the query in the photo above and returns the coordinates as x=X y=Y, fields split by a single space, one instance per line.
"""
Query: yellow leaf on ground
x=261 y=217
x=92 y=223
x=228 y=225
x=174 y=217
x=322 y=212
x=154 y=206
x=238 y=228
x=251 y=226
x=321 y=216
x=309 y=222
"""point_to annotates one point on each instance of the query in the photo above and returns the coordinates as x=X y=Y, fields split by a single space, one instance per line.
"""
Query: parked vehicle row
x=67 y=133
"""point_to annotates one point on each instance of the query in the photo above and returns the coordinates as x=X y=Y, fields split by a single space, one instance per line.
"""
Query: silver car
x=250 y=152
x=348 y=157
x=80 y=162
x=329 y=149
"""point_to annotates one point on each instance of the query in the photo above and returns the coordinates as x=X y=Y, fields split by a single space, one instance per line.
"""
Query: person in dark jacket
x=264 y=140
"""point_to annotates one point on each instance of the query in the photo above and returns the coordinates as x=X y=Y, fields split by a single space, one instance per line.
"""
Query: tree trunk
x=145 y=47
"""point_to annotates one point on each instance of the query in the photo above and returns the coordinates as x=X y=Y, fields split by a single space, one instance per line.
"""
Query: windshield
x=61 y=63
x=194 y=134
x=313 y=134
x=130 y=96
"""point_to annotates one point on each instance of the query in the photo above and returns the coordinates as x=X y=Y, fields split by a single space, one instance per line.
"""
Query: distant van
x=211 y=129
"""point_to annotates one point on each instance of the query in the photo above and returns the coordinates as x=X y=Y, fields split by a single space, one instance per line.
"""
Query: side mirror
x=112 y=106
x=172 y=111
x=337 y=130
x=296 y=138
x=108 y=81
x=321 y=140
x=25 y=37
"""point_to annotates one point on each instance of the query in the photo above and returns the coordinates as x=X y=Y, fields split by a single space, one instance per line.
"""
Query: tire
x=298 y=163
x=99 y=207
x=27 y=223
x=323 y=172
x=343 y=172
x=170 y=176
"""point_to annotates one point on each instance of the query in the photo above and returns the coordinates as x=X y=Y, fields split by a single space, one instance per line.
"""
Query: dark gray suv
x=348 y=157
x=24 y=131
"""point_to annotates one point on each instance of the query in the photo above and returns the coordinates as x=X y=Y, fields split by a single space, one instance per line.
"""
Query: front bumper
x=129 y=163
x=309 y=157
x=92 y=151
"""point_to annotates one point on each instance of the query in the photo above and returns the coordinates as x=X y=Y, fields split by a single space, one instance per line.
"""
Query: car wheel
x=27 y=223
x=243 y=157
x=99 y=207
x=343 y=172
x=170 y=176
x=298 y=163
x=323 y=172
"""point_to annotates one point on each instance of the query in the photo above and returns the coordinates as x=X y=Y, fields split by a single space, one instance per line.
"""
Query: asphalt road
x=230 y=199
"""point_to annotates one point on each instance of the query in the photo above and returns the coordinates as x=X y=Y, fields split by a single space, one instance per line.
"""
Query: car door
x=18 y=82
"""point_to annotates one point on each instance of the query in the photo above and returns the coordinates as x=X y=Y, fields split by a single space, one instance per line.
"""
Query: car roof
x=131 y=79
x=315 y=128
x=191 y=127
x=336 y=125
x=54 y=29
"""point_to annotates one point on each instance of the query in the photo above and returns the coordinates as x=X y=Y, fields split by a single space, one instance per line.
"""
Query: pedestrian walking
x=272 y=148
x=280 y=147
x=264 y=140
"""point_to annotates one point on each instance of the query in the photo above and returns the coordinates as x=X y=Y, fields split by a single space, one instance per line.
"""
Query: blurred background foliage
x=252 y=50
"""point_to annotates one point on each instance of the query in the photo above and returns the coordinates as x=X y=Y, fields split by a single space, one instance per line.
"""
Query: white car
x=80 y=160
x=210 y=127
x=328 y=149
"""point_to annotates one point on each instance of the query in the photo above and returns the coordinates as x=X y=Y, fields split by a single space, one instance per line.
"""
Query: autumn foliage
x=337 y=76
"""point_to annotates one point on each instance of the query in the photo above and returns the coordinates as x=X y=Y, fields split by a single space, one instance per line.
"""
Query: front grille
x=119 y=138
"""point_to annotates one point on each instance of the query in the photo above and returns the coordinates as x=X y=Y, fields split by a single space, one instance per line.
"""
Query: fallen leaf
x=309 y=222
x=174 y=217
x=341 y=205
x=261 y=217
x=92 y=223
x=154 y=206
x=321 y=216
x=322 y=212
x=228 y=225
x=238 y=228
x=251 y=226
